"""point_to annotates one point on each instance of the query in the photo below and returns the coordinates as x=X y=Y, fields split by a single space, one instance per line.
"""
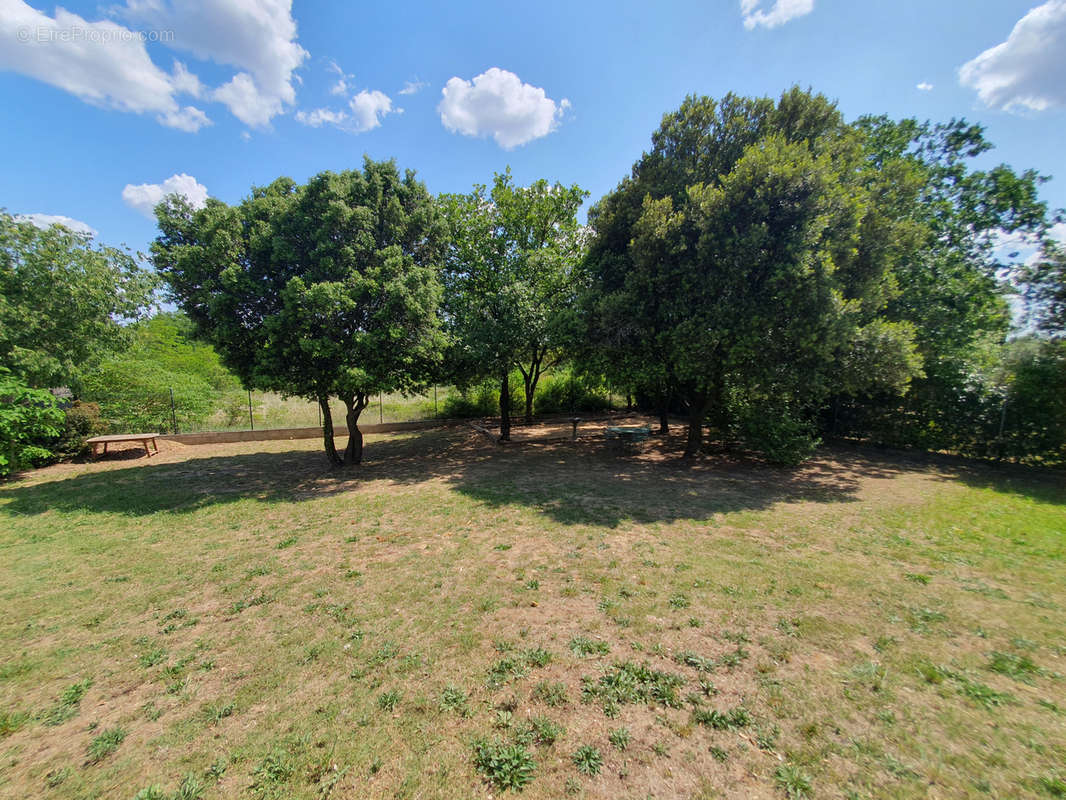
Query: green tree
x=169 y=340
x=510 y=280
x=320 y=290
x=948 y=274
x=730 y=270
x=64 y=301
x=1044 y=284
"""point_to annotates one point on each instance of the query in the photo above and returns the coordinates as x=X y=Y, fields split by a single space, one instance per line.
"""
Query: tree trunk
x=353 y=453
x=664 y=415
x=505 y=409
x=530 y=378
x=327 y=433
x=629 y=403
x=697 y=411
x=530 y=387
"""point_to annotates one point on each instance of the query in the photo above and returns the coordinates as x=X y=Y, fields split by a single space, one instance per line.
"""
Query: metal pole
x=435 y=413
x=320 y=415
x=381 y=408
x=251 y=421
x=173 y=412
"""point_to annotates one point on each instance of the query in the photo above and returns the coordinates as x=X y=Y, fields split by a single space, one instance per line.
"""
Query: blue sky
x=100 y=123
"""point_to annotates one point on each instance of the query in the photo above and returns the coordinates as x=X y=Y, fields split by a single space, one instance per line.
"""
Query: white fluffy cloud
x=102 y=63
x=144 y=197
x=48 y=220
x=106 y=63
x=258 y=37
x=780 y=12
x=496 y=103
x=366 y=110
x=924 y=86
x=1026 y=71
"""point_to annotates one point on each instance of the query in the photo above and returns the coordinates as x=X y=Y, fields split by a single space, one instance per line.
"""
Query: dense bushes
x=81 y=421
x=27 y=418
x=563 y=392
x=133 y=388
x=135 y=395
x=557 y=393
x=1012 y=406
x=780 y=434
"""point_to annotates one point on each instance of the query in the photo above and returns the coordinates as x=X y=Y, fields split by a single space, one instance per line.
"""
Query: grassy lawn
x=454 y=614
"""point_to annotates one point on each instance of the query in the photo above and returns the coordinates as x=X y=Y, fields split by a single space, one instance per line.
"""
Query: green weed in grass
x=1019 y=667
x=584 y=646
x=795 y=783
x=619 y=738
x=628 y=682
x=67 y=705
x=539 y=730
x=387 y=701
x=454 y=699
x=679 y=601
x=550 y=693
x=272 y=773
x=505 y=766
x=149 y=658
x=588 y=760
x=104 y=744
x=738 y=717
x=537 y=657
x=11 y=721
x=216 y=712
x=56 y=777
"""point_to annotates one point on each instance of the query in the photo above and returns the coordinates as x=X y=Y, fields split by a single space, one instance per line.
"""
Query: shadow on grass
x=580 y=483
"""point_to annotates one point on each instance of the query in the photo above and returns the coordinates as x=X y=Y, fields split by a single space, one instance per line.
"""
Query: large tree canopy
x=950 y=278
x=63 y=301
x=320 y=290
x=510 y=279
x=731 y=269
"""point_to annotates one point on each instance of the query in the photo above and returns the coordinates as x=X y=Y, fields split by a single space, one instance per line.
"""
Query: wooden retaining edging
x=269 y=434
x=222 y=437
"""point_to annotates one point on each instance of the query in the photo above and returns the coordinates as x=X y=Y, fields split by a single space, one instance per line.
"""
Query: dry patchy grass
x=864 y=626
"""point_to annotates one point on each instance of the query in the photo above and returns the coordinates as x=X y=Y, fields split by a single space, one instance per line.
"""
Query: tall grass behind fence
x=179 y=410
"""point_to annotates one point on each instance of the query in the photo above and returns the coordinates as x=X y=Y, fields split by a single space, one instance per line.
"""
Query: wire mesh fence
x=175 y=411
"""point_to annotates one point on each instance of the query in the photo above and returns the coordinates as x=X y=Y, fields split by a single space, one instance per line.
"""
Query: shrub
x=563 y=391
x=482 y=400
x=778 y=434
x=82 y=421
x=28 y=417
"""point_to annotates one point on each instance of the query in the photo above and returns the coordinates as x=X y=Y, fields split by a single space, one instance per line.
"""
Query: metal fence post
x=251 y=421
x=435 y=412
x=173 y=411
x=381 y=407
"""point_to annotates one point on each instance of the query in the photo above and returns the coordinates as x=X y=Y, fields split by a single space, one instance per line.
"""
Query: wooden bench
x=628 y=438
x=143 y=438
